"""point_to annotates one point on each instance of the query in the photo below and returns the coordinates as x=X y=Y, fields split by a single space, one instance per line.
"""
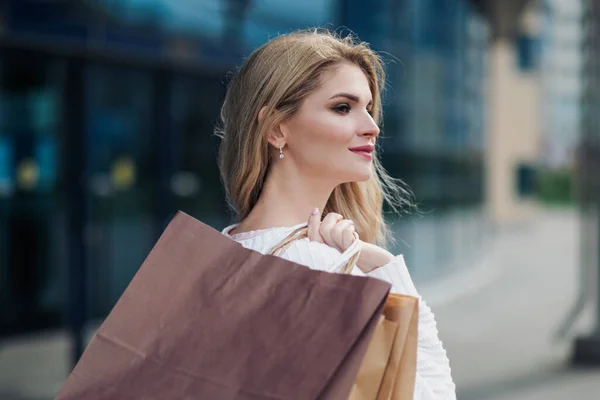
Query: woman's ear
x=275 y=135
x=261 y=114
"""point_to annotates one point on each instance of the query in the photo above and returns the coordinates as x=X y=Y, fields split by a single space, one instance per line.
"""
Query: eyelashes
x=345 y=109
x=342 y=108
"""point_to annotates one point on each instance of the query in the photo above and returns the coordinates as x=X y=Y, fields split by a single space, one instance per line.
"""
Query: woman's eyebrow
x=350 y=97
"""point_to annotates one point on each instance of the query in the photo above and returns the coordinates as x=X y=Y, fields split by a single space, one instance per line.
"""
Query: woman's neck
x=286 y=201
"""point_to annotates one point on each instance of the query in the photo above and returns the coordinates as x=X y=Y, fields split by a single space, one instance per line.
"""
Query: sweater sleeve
x=434 y=379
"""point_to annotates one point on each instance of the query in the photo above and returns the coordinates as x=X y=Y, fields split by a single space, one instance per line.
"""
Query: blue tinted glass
x=7 y=162
x=258 y=20
x=269 y=18
x=278 y=12
x=370 y=21
x=46 y=156
x=204 y=17
x=436 y=25
x=526 y=52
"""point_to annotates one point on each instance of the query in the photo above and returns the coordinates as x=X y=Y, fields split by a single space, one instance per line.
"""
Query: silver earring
x=281 y=152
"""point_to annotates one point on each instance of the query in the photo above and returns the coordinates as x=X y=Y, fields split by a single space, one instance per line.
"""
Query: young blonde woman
x=299 y=127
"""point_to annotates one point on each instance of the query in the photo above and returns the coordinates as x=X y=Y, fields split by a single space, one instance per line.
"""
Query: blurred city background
x=492 y=117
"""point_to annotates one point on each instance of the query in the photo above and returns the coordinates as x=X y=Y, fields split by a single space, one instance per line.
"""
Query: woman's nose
x=370 y=129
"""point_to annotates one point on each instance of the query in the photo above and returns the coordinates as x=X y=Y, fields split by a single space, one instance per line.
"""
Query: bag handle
x=302 y=233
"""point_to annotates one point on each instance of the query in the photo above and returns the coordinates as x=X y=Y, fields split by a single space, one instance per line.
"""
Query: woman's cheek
x=337 y=131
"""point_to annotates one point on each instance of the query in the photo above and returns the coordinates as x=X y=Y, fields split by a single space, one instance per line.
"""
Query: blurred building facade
x=562 y=73
x=107 y=111
x=514 y=99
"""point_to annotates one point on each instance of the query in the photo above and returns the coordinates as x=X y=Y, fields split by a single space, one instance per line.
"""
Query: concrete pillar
x=513 y=131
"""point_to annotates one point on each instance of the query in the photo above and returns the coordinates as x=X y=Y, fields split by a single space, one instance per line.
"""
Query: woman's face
x=332 y=135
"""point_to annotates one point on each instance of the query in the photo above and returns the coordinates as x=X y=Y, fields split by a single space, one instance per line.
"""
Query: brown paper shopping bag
x=205 y=318
x=388 y=369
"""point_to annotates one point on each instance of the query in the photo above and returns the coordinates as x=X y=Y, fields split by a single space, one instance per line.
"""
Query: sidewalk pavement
x=500 y=336
x=33 y=368
x=497 y=323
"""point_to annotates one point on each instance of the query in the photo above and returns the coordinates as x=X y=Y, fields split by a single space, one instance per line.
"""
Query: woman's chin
x=361 y=176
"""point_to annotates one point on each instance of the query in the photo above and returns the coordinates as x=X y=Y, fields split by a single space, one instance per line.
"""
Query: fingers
x=343 y=234
x=334 y=230
x=327 y=226
x=348 y=236
x=314 y=223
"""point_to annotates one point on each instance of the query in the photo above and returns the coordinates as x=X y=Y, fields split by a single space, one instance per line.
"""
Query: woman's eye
x=342 y=108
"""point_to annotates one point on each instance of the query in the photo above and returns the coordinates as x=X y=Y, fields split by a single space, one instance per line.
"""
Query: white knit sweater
x=433 y=381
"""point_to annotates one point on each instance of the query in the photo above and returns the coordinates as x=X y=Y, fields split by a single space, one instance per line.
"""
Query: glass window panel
x=200 y=17
x=195 y=183
x=32 y=213
x=268 y=18
x=121 y=179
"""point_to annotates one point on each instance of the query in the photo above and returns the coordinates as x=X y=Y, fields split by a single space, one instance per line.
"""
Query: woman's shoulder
x=261 y=239
x=312 y=254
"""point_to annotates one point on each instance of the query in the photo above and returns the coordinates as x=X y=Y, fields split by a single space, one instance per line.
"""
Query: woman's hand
x=335 y=231
x=339 y=233
x=372 y=257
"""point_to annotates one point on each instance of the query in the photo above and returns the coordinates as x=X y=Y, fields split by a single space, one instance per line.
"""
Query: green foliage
x=555 y=186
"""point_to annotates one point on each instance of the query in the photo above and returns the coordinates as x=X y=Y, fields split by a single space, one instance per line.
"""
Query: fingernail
x=315 y=211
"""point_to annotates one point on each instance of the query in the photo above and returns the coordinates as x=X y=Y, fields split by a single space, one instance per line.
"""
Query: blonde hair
x=278 y=76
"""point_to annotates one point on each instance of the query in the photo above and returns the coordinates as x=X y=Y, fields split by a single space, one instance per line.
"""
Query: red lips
x=368 y=148
x=364 y=151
